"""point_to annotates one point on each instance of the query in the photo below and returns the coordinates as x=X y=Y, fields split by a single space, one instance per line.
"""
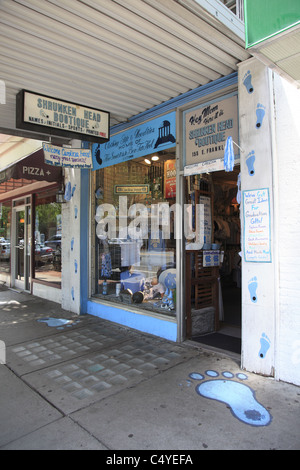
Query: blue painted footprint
x=265 y=344
x=238 y=396
x=250 y=159
x=260 y=113
x=57 y=323
x=68 y=191
x=252 y=287
x=247 y=82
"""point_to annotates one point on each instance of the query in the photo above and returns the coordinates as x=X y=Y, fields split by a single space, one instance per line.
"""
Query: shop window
x=47 y=235
x=5 y=227
x=134 y=251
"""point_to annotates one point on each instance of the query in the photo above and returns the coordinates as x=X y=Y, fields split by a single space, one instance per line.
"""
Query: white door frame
x=23 y=282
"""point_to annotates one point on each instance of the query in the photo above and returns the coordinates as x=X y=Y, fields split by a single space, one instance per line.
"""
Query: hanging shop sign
x=206 y=129
x=47 y=115
x=67 y=157
x=204 y=167
x=139 y=141
x=34 y=168
x=257 y=228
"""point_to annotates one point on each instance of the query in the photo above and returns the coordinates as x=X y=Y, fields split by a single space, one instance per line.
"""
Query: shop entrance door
x=21 y=247
x=213 y=269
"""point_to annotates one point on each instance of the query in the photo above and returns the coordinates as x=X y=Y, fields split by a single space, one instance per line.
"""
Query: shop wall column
x=287 y=144
x=71 y=239
x=259 y=300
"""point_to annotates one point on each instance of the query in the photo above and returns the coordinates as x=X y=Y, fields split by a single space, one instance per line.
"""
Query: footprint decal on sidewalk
x=252 y=286
x=236 y=395
x=58 y=323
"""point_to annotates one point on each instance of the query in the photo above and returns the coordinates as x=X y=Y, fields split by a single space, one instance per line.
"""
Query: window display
x=48 y=230
x=134 y=251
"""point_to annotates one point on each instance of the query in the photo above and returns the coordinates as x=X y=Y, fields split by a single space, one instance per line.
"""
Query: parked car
x=54 y=242
x=4 y=250
x=43 y=253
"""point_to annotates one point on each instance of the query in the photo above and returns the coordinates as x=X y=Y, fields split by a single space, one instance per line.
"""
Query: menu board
x=257 y=231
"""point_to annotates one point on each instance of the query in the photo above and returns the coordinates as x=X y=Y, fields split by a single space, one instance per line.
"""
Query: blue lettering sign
x=139 y=141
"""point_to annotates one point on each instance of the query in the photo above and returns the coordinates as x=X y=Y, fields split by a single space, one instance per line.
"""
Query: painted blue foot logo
x=260 y=113
x=247 y=82
x=58 y=323
x=265 y=344
x=238 y=396
x=250 y=159
x=252 y=287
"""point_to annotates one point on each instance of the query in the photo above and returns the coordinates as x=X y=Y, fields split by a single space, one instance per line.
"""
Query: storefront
x=132 y=220
x=31 y=227
x=164 y=218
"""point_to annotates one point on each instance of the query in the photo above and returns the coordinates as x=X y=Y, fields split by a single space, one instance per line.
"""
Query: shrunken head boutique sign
x=207 y=129
x=40 y=113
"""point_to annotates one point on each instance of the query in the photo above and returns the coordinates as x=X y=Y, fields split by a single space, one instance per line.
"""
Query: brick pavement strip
x=78 y=367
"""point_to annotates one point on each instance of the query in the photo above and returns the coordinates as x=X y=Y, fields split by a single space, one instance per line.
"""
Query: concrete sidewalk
x=78 y=382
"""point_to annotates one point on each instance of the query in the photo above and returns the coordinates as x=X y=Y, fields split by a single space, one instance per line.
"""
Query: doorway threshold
x=227 y=339
x=18 y=290
x=220 y=341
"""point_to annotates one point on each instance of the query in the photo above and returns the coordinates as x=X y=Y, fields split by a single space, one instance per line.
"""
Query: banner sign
x=170 y=179
x=33 y=168
x=207 y=128
x=139 y=141
x=257 y=230
x=204 y=167
x=48 y=115
x=67 y=157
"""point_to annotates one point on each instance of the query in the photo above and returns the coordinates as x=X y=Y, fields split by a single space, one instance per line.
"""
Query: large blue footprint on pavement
x=58 y=323
x=238 y=396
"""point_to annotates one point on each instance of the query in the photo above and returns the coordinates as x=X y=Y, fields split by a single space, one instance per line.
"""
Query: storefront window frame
x=134 y=308
x=33 y=209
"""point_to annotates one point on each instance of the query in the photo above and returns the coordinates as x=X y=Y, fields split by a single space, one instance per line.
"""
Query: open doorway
x=213 y=273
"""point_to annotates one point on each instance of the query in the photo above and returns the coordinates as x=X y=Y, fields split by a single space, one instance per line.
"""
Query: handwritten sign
x=257 y=235
x=67 y=157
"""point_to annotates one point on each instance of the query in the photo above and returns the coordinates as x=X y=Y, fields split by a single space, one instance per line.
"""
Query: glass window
x=5 y=226
x=48 y=231
x=134 y=249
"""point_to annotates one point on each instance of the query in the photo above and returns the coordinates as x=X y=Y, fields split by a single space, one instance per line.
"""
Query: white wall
x=287 y=139
x=70 y=282
x=258 y=319
x=271 y=325
x=46 y=292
